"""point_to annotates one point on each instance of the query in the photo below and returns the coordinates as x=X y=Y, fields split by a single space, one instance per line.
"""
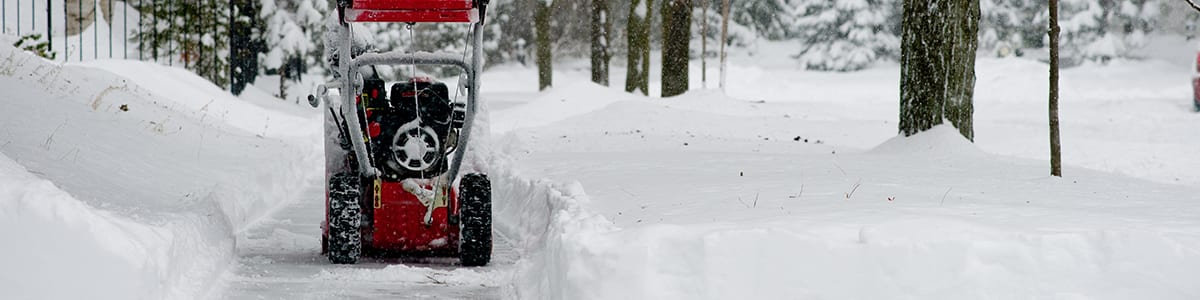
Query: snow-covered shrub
x=770 y=19
x=1007 y=25
x=292 y=31
x=34 y=43
x=1104 y=30
x=1091 y=29
x=846 y=35
x=190 y=33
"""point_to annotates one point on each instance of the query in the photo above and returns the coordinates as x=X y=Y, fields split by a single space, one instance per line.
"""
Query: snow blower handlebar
x=346 y=106
x=427 y=58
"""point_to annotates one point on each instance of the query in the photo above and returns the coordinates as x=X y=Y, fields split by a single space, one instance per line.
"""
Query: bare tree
x=676 y=36
x=600 y=41
x=724 y=39
x=1055 y=145
x=703 y=43
x=638 y=34
x=544 y=58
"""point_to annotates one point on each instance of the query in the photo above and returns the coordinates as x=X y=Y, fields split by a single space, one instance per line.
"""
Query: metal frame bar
x=349 y=90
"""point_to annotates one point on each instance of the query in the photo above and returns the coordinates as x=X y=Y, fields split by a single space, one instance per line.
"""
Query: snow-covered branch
x=1193 y=4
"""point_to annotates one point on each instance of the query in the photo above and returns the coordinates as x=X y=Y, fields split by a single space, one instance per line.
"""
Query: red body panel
x=1196 y=82
x=374 y=129
x=411 y=16
x=1196 y=91
x=411 y=4
x=398 y=223
x=1198 y=62
x=412 y=11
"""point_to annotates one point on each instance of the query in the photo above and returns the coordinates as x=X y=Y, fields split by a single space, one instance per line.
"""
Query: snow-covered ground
x=131 y=180
x=125 y=180
x=128 y=179
x=280 y=259
x=796 y=186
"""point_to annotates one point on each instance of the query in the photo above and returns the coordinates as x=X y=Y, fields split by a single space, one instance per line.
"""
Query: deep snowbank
x=706 y=197
x=53 y=240
x=1004 y=232
x=149 y=184
x=551 y=229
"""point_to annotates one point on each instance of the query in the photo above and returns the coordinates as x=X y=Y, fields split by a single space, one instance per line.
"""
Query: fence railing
x=82 y=30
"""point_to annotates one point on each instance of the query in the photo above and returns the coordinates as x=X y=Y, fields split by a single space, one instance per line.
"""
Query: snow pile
x=54 y=239
x=553 y=230
x=199 y=99
x=940 y=140
x=145 y=174
x=556 y=104
x=707 y=197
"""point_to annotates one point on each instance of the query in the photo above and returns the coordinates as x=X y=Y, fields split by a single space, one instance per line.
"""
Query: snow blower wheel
x=344 y=241
x=475 y=241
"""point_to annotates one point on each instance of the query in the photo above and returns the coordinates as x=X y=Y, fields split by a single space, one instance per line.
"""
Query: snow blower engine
x=394 y=156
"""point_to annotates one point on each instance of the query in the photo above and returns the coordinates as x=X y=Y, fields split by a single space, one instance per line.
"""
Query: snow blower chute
x=394 y=156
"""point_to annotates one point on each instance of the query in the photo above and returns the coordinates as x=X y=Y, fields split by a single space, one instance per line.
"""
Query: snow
x=141 y=177
x=279 y=258
x=152 y=183
x=707 y=196
x=34 y=209
x=640 y=11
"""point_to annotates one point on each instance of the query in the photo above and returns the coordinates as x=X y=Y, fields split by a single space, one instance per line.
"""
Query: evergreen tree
x=509 y=31
x=1102 y=30
x=1007 y=25
x=770 y=19
x=246 y=43
x=292 y=29
x=191 y=33
x=1091 y=30
x=751 y=20
x=1082 y=23
x=846 y=35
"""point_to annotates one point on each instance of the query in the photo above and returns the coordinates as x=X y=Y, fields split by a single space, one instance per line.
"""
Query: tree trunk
x=704 y=43
x=544 y=62
x=633 y=58
x=724 y=39
x=644 y=47
x=937 y=64
x=600 y=41
x=1055 y=146
x=245 y=38
x=677 y=33
x=638 y=35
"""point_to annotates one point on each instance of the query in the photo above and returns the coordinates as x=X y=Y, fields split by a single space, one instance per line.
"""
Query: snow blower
x=394 y=156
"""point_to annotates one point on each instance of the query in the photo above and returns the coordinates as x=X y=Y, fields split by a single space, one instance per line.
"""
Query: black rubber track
x=475 y=240
x=345 y=213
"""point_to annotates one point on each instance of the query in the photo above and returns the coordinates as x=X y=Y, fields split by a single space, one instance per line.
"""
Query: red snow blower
x=393 y=157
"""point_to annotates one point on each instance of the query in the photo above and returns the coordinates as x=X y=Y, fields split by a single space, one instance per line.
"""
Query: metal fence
x=82 y=30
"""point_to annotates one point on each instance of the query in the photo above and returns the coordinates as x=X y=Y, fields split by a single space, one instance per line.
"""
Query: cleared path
x=280 y=259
